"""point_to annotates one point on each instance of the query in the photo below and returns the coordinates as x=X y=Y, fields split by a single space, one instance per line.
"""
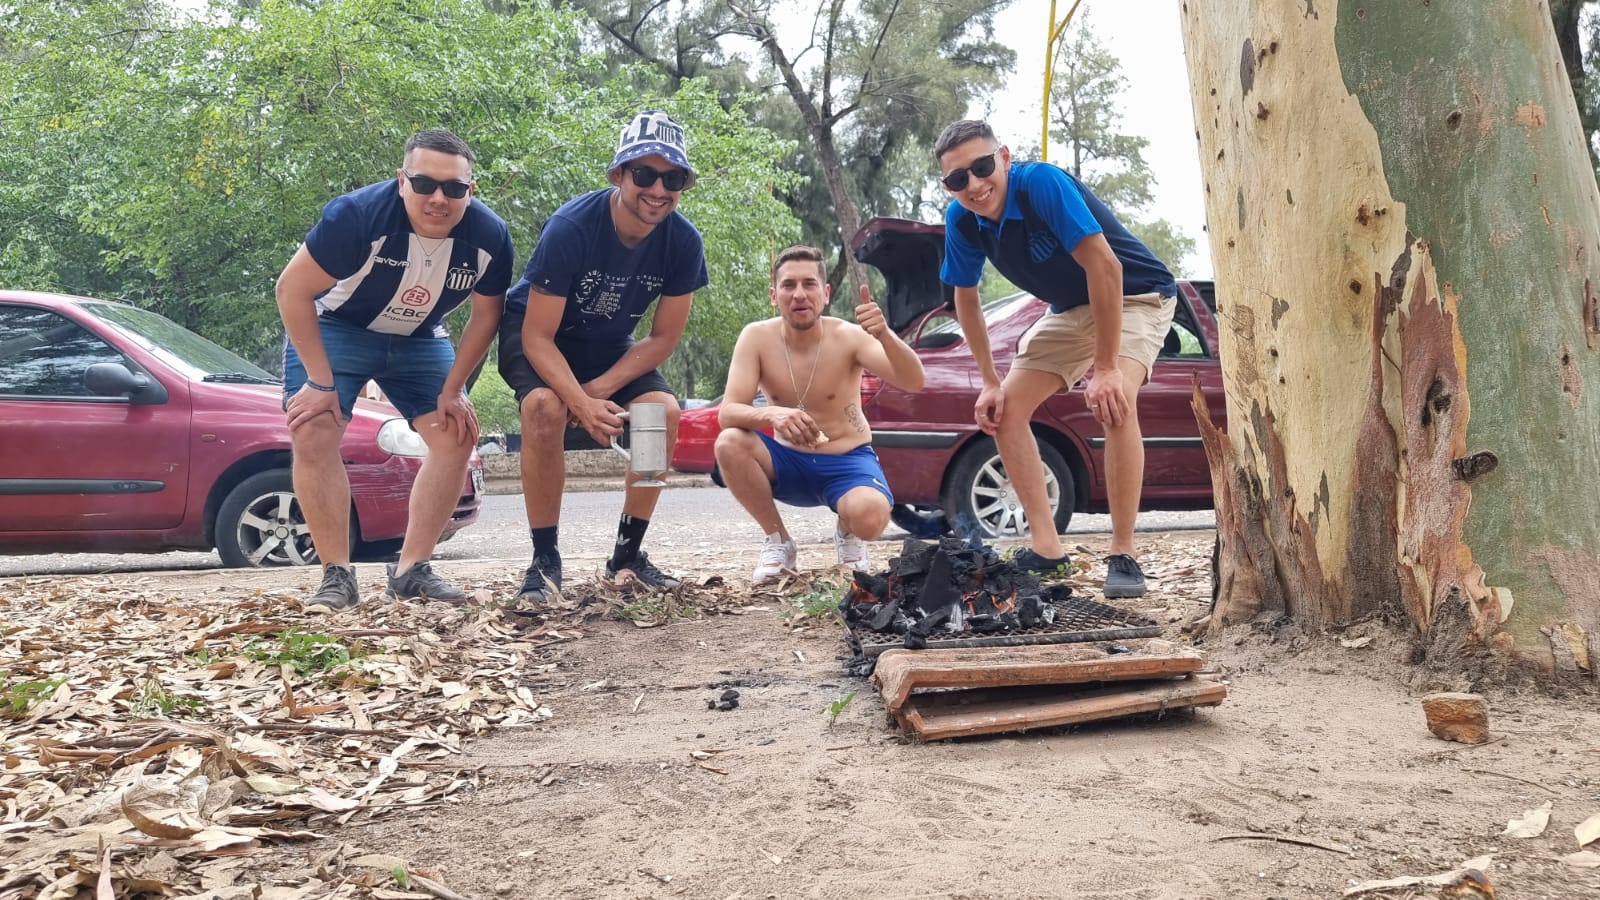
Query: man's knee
x=734 y=446
x=543 y=414
x=864 y=512
x=317 y=438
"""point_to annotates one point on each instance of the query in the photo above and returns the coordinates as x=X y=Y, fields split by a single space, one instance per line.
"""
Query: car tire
x=260 y=524
x=920 y=523
x=979 y=492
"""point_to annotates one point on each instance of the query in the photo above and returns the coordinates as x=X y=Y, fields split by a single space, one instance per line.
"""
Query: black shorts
x=587 y=361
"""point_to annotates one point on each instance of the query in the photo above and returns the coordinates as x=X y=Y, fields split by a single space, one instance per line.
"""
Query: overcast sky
x=1144 y=35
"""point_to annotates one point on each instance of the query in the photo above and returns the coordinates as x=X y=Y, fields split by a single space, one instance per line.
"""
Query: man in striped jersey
x=364 y=298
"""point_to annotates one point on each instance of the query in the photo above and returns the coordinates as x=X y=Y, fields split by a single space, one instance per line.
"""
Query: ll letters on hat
x=652 y=132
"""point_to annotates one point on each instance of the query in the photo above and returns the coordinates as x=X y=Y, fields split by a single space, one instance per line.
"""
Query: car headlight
x=396 y=437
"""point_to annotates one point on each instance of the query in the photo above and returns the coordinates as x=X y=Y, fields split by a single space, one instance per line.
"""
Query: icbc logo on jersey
x=416 y=296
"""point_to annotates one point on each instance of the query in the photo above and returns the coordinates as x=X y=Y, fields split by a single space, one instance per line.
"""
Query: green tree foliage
x=861 y=87
x=176 y=162
x=1086 y=121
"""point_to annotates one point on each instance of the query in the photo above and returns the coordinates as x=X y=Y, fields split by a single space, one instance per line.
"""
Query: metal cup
x=646 y=452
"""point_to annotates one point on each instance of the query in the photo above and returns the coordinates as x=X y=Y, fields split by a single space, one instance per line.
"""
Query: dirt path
x=633 y=788
x=1317 y=742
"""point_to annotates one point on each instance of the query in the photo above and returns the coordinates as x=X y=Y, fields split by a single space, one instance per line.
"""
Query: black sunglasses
x=982 y=167
x=672 y=180
x=425 y=186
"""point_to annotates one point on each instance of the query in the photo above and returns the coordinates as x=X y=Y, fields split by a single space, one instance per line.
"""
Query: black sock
x=544 y=541
x=630 y=537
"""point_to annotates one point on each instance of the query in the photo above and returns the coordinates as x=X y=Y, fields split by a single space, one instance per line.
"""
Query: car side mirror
x=117 y=380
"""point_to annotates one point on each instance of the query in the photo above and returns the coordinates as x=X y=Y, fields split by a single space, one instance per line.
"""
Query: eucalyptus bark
x=1405 y=231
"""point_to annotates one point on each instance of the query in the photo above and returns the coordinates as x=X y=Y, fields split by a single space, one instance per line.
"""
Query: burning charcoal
x=915 y=558
x=867 y=585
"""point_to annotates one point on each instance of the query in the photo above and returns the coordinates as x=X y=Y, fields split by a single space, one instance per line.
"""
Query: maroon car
x=941 y=468
x=125 y=432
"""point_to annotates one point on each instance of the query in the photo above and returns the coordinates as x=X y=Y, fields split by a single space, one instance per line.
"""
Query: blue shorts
x=409 y=370
x=820 y=479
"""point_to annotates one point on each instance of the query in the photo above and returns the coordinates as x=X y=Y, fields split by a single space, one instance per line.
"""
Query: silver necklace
x=817 y=357
x=427 y=255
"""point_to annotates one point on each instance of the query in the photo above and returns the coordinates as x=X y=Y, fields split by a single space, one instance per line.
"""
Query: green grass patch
x=153 y=701
x=305 y=652
x=17 y=697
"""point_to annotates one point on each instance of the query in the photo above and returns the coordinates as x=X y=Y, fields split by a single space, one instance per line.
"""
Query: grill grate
x=1076 y=620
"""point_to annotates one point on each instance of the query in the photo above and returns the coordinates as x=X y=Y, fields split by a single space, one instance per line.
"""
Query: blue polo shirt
x=392 y=280
x=1048 y=213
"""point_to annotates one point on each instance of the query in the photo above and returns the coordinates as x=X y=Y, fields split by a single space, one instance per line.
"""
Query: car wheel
x=260 y=524
x=979 y=492
x=919 y=522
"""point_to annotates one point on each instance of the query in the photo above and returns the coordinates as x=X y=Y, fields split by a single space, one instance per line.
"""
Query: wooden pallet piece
x=900 y=672
x=938 y=716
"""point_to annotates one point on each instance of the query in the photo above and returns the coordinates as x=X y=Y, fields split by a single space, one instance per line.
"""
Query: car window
x=44 y=354
x=994 y=309
x=175 y=345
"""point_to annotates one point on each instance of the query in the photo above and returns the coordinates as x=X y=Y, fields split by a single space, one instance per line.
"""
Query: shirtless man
x=809 y=366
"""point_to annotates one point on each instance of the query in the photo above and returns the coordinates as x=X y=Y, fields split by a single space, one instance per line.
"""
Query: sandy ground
x=1317 y=743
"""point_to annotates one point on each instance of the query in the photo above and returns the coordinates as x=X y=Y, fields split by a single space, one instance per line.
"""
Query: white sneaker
x=851 y=550
x=777 y=558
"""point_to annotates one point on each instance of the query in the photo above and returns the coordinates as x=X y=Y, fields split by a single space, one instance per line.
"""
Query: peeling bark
x=1415 y=444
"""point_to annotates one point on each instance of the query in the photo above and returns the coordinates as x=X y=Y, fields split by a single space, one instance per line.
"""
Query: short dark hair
x=957 y=133
x=803 y=253
x=440 y=140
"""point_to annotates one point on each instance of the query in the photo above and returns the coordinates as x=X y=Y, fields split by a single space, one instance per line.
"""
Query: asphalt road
x=690 y=517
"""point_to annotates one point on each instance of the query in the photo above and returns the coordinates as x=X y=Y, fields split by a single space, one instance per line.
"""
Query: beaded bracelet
x=320 y=387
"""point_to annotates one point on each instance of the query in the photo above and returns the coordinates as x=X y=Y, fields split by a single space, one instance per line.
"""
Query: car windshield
x=178 y=346
x=994 y=309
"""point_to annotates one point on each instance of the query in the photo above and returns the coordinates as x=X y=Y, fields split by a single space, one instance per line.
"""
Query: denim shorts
x=820 y=479
x=409 y=370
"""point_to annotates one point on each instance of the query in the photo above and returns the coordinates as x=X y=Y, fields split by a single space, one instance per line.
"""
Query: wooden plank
x=900 y=672
x=935 y=717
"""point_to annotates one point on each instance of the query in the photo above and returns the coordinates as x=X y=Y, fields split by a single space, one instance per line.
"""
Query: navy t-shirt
x=392 y=280
x=607 y=287
x=1048 y=213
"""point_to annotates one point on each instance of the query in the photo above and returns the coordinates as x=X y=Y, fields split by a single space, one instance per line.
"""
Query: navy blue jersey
x=1048 y=213
x=392 y=280
x=607 y=287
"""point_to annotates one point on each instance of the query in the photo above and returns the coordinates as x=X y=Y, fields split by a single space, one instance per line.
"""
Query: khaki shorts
x=1063 y=343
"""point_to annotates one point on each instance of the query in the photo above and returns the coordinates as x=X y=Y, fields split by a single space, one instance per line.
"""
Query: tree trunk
x=1404 y=227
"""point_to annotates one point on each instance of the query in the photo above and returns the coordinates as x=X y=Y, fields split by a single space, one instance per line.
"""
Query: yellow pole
x=1052 y=36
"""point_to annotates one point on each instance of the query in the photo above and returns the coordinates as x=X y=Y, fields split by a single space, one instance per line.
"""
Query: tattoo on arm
x=853 y=413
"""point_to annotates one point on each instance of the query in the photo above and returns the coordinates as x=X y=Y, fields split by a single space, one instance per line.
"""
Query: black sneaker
x=1043 y=566
x=420 y=582
x=642 y=570
x=1124 y=578
x=534 y=587
x=338 y=593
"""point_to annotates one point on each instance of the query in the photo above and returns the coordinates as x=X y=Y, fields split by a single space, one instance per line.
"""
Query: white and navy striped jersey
x=393 y=281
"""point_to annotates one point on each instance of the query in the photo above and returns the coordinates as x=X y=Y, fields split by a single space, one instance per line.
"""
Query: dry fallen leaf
x=1532 y=824
x=1587 y=830
x=1481 y=863
x=1583 y=859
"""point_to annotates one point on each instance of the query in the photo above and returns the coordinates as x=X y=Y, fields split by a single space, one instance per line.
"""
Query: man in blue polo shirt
x=364 y=299
x=566 y=342
x=1111 y=303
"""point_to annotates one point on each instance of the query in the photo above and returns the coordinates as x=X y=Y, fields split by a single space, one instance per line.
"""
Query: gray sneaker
x=642 y=570
x=534 y=587
x=338 y=593
x=1124 y=578
x=420 y=582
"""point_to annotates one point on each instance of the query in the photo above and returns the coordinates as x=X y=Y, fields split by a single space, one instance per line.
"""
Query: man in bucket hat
x=566 y=339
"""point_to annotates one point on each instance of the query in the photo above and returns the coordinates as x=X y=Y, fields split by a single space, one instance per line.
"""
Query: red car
x=941 y=468
x=126 y=433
